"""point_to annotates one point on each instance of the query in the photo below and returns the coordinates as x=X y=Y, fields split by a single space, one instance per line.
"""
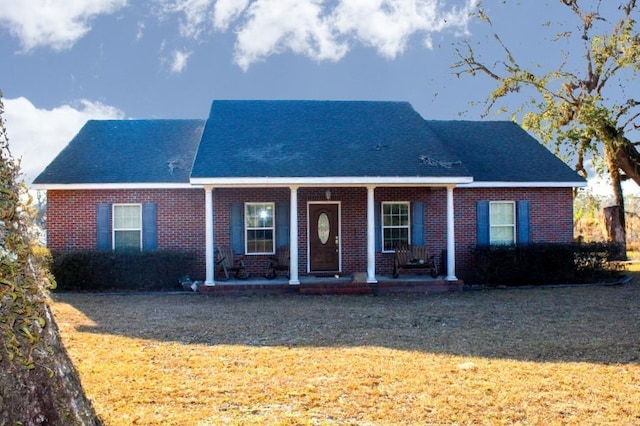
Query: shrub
x=90 y=270
x=537 y=264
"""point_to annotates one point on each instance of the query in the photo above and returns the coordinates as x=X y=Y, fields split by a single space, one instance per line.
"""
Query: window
x=127 y=226
x=259 y=228
x=502 y=222
x=395 y=225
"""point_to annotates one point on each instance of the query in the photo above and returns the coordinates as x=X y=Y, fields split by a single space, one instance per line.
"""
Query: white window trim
x=272 y=228
x=515 y=221
x=408 y=203
x=113 y=223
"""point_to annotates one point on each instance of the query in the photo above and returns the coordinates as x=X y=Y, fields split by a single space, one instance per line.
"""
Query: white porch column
x=371 y=236
x=451 y=239
x=209 y=255
x=293 y=237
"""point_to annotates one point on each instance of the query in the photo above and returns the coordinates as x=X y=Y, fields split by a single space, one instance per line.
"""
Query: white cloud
x=140 y=32
x=227 y=11
x=274 y=26
x=319 y=29
x=36 y=135
x=179 y=61
x=195 y=15
x=388 y=25
x=54 y=23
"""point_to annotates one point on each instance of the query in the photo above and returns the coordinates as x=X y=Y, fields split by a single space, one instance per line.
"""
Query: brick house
x=339 y=182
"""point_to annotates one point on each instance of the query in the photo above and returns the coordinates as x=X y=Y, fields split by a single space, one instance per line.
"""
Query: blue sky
x=66 y=61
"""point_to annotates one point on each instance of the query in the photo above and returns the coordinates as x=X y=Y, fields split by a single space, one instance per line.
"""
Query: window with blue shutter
x=283 y=214
x=482 y=223
x=103 y=224
x=237 y=228
x=503 y=222
x=149 y=226
x=378 y=225
x=523 y=222
x=126 y=226
x=417 y=223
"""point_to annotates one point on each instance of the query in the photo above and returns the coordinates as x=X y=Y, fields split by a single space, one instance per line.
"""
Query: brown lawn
x=527 y=357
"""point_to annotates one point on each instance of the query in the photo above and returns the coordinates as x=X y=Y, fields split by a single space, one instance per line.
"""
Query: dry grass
x=528 y=357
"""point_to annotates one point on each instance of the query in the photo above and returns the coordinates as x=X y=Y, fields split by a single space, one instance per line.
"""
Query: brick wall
x=550 y=217
x=71 y=219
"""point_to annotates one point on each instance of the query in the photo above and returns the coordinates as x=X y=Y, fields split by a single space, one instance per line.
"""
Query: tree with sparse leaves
x=38 y=383
x=584 y=110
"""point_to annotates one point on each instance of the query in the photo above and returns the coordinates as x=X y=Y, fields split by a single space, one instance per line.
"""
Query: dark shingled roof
x=303 y=139
x=320 y=139
x=127 y=151
x=501 y=151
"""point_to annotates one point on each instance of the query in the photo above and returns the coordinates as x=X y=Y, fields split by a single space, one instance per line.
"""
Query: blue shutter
x=237 y=228
x=417 y=223
x=103 y=224
x=522 y=224
x=482 y=223
x=378 y=225
x=149 y=226
x=282 y=224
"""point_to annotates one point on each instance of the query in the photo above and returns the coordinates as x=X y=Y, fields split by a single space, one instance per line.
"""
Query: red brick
x=71 y=219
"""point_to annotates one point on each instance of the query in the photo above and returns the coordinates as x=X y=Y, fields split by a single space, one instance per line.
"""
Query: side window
x=259 y=228
x=396 y=225
x=127 y=226
x=502 y=222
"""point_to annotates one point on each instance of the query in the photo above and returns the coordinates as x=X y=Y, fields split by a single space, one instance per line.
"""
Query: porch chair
x=226 y=263
x=413 y=257
x=279 y=262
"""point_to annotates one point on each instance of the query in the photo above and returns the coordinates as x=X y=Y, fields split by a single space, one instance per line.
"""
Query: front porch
x=333 y=285
x=338 y=229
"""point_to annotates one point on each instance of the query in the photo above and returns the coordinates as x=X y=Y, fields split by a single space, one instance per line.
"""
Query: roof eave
x=331 y=181
x=94 y=186
x=550 y=184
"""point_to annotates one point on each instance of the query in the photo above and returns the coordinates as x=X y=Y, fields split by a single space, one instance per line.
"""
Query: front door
x=324 y=240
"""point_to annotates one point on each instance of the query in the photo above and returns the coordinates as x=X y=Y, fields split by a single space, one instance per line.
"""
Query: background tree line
x=589 y=220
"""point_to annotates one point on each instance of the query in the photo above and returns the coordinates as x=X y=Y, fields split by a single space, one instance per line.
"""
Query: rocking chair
x=279 y=262
x=225 y=263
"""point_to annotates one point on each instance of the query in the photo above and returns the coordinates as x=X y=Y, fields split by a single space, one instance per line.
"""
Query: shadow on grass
x=576 y=324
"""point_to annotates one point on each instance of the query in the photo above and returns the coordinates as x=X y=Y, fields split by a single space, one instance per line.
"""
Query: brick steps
x=329 y=286
x=336 y=289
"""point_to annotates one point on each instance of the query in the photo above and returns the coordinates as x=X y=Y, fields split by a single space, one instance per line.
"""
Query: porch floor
x=332 y=285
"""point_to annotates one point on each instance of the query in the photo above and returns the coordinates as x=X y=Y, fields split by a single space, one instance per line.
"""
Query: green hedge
x=91 y=270
x=539 y=264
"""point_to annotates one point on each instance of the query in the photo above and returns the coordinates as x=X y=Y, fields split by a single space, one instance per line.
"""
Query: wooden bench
x=413 y=257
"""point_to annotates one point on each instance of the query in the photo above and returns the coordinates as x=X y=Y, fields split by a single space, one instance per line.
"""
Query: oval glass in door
x=323 y=228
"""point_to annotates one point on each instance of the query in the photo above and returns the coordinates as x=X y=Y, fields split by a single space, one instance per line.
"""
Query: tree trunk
x=628 y=160
x=614 y=219
x=49 y=391
x=615 y=229
x=38 y=383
